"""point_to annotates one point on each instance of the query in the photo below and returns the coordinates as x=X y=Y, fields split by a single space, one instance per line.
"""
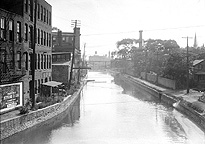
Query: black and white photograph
x=102 y=71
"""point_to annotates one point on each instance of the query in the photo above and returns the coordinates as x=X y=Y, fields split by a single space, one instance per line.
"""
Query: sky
x=104 y=22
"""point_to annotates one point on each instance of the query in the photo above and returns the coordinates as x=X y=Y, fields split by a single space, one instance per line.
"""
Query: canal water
x=111 y=111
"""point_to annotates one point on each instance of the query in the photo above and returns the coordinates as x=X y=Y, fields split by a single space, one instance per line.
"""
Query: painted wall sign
x=11 y=96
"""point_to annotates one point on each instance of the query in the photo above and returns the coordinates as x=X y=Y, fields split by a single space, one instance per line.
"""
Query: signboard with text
x=11 y=96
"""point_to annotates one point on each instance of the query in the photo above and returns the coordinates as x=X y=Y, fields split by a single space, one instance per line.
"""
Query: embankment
x=33 y=118
x=182 y=105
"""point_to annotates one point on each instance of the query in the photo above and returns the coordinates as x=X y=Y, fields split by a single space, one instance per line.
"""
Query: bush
x=25 y=109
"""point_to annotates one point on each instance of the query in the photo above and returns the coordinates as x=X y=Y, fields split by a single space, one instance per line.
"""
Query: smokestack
x=140 y=39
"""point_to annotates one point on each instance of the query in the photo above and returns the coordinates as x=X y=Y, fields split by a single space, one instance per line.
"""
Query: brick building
x=199 y=72
x=97 y=62
x=62 y=48
x=17 y=36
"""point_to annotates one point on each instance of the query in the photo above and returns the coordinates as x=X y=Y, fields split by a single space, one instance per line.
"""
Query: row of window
x=10 y=26
x=43 y=37
x=60 y=58
x=42 y=13
x=42 y=61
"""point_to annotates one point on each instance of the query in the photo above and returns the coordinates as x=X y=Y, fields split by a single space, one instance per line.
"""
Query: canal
x=111 y=111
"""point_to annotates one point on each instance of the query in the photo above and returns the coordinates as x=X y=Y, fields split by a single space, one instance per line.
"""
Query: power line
x=146 y=30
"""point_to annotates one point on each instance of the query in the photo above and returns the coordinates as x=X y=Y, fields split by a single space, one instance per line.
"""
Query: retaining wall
x=162 y=81
x=193 y=115
x=22 y=122
x=170 y=100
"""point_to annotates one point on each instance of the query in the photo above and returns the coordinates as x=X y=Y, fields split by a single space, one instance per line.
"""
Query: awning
x=52 y=83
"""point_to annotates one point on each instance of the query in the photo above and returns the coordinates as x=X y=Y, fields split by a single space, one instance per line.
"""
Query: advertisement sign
x=11 y=96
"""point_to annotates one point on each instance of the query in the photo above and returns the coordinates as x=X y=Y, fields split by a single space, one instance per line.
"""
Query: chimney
x=140 y=39
x=59 y=37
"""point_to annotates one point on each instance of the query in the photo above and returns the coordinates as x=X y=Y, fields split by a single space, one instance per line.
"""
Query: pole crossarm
x=82 y=68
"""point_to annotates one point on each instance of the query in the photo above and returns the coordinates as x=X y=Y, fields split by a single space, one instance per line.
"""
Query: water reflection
x=168 y=119
x=115 y=112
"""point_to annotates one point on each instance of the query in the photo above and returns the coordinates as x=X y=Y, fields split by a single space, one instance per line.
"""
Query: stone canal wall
x=22 y=122
x=170 y=100
x=196 y=117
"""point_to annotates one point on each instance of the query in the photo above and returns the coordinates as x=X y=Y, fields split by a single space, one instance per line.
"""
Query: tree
x=126 y=48
x=158 y=52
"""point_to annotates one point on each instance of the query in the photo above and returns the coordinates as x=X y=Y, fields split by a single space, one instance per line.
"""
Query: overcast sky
x=104 y=22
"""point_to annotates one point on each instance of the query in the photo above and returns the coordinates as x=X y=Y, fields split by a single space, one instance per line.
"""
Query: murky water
x=114 y=112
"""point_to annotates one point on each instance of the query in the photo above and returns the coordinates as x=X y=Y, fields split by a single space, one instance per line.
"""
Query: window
x=63 y=39
x=41 y=37
x=54 y=39
x=30 y=35
x=26 y=60
x=49 y=18
x=44 y=61
x=18 y=34
x=49 y=42
x=49 y=61
x=30 y=59
x=31 y=9
x=26 y=5
x=42 y=13
x=3 y=61
x=29 y=6
x=39 y=59
x=44 y=38
x=11 y=30
x=26 y=32
x=38 y=9
x=47 y=38
x=18 y=60
x=3 y=28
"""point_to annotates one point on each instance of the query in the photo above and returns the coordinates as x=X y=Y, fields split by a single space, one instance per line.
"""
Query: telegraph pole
x=84 y=55
x=32 y=89
x=73 y=57
x=187 y=54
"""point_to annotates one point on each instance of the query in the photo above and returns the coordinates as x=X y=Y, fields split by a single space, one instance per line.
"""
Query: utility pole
x=84 y=55
x=73 y=57
x=187 y=54
x=33 y=59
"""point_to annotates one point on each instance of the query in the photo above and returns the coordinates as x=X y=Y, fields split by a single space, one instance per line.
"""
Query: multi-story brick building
x=62 y=53
x=17 y=36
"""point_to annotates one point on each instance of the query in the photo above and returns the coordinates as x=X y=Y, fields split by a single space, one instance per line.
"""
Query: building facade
x=17 y=37
x=62 y=49
x=97 y=62
x=199 y=73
